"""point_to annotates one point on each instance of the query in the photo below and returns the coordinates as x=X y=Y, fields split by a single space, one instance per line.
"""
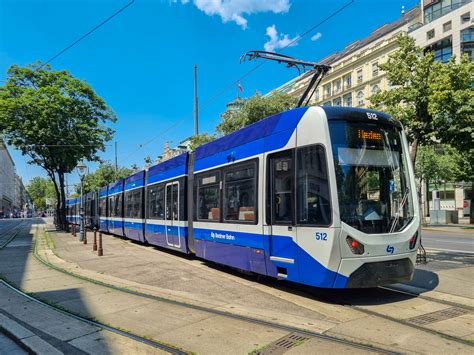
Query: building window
x=348 y=100
x=338 y=86
x=348 y=81
x=375 y=69
x=441 y=8
x=240 y=191
x=360 y=98
x=327 y=90
x=447 y=26
x=208 y=197
x=360 y=77
x=467 y=42
x=317 y=94
x=465 y=18
x=375 y=89
x=327 y=103
x=442 y=50
x=430 y=34
x=337 y=102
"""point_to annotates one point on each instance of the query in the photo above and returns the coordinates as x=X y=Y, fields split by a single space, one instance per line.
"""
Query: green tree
x=255 y=109
x=55 y=119
x=104 y=175
x=428 y=97
x=200 y=139
x=40 y=189
x=439 y=163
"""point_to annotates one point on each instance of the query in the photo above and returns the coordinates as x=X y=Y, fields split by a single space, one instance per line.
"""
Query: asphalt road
x=454 y=241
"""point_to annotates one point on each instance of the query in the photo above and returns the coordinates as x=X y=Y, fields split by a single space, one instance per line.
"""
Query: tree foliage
x=200 y=139
x=40 y=189
x=55 y=119
x=433 y=100
x=104 y=175
x=439 y=163
x=255 y=109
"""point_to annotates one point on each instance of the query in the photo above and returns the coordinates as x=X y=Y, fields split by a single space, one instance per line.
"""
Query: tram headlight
x=355 y=246
x=412 y=240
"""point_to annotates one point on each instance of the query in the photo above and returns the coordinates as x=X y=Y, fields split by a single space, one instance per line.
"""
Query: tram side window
x=110 y=212
x=240 y=194
x=209 y=197
x=118 y=205
x=102 y=206
x=312 y=188
x=281 y=182
x=156 y=202
x=133 y=204
x=115 y=203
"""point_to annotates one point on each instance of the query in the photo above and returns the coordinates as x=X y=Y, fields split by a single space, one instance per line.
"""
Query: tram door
x=281 y=206
x=172 y=215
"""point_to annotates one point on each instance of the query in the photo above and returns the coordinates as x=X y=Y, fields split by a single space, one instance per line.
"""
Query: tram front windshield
x=372 y=176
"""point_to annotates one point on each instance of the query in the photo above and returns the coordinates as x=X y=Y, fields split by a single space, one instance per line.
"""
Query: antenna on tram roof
x=317 y=70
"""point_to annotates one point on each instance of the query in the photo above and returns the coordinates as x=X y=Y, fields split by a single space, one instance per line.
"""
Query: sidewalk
x=450 y=228
x=39 y=329
x=174 y=277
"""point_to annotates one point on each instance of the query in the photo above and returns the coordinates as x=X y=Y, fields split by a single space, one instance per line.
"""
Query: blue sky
x=141 y=62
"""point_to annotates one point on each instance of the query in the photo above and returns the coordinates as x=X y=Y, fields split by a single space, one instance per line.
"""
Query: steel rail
x=124 y=333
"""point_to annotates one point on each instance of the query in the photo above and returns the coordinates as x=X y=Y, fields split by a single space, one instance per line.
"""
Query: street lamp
x=81 y=169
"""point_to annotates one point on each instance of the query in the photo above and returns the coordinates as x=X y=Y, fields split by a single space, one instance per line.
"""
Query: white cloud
x=234 y=10
x=277 y=41
x=316 y=36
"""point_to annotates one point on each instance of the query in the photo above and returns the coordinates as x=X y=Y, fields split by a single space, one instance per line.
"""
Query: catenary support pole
x=196 y=108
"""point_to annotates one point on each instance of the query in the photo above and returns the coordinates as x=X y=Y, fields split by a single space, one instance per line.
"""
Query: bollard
x=85 y=235
x=74 y=230
x=100 y=252
x=94 y=247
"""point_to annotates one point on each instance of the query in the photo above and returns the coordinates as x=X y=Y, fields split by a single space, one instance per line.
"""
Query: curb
x=26 y=339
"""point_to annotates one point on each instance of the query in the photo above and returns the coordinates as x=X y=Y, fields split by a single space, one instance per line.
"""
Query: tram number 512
x=321 y=236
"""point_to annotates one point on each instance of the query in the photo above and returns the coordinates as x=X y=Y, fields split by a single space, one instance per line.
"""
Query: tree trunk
x=58 y=197
x=62 y=210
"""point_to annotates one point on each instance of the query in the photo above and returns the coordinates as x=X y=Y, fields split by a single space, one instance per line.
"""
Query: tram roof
x=135 y=180
x=168 y=169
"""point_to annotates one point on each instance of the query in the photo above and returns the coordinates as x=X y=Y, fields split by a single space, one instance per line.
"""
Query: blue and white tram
x=115 y=207
x=323 y=196
x=73 y=210
x=134 y=221
x=103 y=209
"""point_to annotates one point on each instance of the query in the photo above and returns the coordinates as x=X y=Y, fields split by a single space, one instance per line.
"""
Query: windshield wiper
x=402 y=203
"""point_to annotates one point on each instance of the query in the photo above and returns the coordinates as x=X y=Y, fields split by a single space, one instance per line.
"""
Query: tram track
x=7 y=236
x=345 y=302
x=137 y=338
x=209 y=310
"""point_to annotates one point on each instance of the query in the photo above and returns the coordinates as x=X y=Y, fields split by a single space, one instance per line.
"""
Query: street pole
x=81 y=232
x=116 y=165
x=196 y=127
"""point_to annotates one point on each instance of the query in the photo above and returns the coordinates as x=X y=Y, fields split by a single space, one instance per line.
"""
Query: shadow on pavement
x=19 y=267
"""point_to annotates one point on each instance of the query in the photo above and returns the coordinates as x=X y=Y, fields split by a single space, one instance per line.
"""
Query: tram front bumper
x=373 y=272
